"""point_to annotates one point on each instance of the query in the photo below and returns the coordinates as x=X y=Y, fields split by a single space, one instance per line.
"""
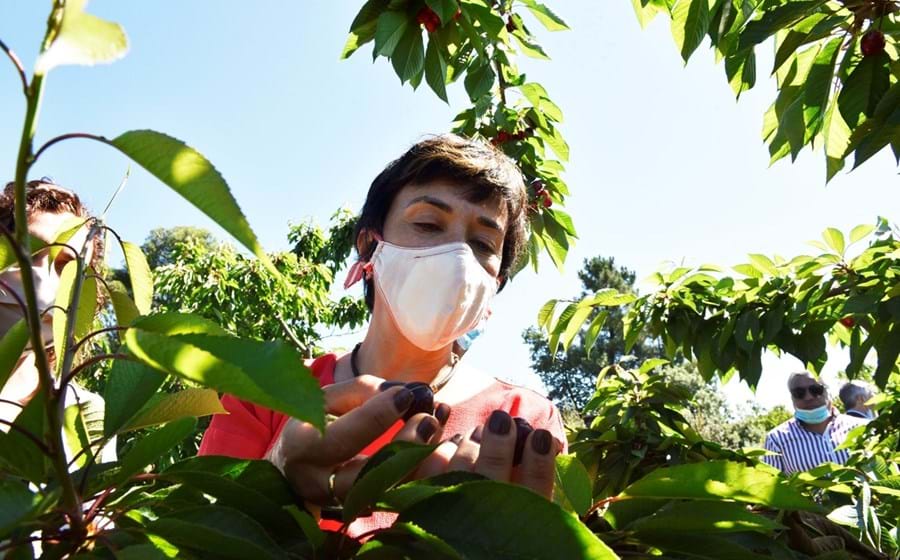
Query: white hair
x=852 y=391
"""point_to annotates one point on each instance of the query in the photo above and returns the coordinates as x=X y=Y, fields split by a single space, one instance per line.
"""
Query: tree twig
x=17 y=63
x=68 y=136
x=34 y=439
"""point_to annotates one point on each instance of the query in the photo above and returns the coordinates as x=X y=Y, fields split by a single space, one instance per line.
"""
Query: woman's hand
x=309 y=458
x=489 y=450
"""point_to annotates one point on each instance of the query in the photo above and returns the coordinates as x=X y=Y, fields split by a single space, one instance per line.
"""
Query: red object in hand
x=848 y=322
x=429 y=19
x=872 y=43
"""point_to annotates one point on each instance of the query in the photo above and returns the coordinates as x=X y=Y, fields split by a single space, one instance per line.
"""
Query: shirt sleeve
x=243 y=433
x=776 y=461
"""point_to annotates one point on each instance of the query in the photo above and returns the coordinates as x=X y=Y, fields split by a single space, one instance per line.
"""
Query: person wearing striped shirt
x=813 y=435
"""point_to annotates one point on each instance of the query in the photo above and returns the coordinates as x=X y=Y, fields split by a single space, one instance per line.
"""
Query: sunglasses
x=815 y=390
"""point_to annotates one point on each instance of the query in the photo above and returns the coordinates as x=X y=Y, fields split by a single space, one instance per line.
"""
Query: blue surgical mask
x=466 y=340
x=813 y=416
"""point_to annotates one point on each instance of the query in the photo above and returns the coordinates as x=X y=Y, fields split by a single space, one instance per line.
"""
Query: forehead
x=802 y=381
x=457 y=195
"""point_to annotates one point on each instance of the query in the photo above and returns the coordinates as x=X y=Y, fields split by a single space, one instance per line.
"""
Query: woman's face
x=435 y=213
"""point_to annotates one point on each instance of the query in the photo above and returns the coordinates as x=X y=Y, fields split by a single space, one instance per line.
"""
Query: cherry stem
x=34 y=439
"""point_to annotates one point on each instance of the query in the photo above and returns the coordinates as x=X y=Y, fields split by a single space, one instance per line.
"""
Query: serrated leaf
x=129 y=385
x=484 y=520
x=83 y=315
x=573 y=484
x=249 y=369
x=545 y=15
x=479 y=79
x=219 y=531
x=834 y=239
x=123 y=306
x=445 y=9
x=546 y=313
x=690 y=22
x=408 y=57
x=863 y=89
x=191 y=175
x=389 y=466
x=860 y=231
x=593 y=331
x=436 y=69
x=140 y=276
x=164 y=408
x=154 y=445
x=390 y=28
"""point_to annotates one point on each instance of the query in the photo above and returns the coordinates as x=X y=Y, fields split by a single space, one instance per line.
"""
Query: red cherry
x=429 y=19
x=548 y=202
x=458 y=14
x=848 y=322
x=872 y=43
x=537 y=186
x=511 y=25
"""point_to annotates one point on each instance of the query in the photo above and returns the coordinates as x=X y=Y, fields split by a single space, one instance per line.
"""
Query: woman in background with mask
x=440 y=230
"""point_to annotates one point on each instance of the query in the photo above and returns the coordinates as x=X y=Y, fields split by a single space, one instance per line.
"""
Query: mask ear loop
x=361 y=268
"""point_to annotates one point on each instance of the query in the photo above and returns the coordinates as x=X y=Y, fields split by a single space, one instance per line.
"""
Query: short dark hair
x=483 y=170
x=46 y=196
x=852 y=390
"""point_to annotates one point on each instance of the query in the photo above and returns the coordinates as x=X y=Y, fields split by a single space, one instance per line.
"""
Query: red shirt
x=249 y=430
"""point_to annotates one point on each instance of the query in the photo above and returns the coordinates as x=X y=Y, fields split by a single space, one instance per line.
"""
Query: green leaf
x=390 y=28
x=772 y=21
x=11 y=347
x=163 y=408
x=83 y=428
x=389 y=466
x=574 y=326
x=238 y=492
x=123 y=306
x=741 y=71
x=646 y=11
x=573 y=484
x=18 y=454
x=154 y=445
x=711 y=517
x=708 y=547
x=593 y=331
x=720 y=480
x=362 y=30
x=18 y=504
x=527 y=44
x=545 y=315
x=140 y=276
x=405 y=540
x=445 y=9
x=82 y=39
x=191 y=175
x=834 y=239
x=545 y=15
x=408 y=57
x=436 y=69
x=485 y=520
x=142 y=552
x=556 y=142
x=248 y=369
x=479 y=79
x=129 y=385
x=260 y=475
x=888 y=349
x=219 y=531
x=405 y=495
x=884 y=132
x=860 y=231
x=818 y=85
x=837 y=140
x=864 y=88
x=84 y=316
x=690 y=22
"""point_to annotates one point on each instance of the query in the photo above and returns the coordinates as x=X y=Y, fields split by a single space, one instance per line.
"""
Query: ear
x=364 y=243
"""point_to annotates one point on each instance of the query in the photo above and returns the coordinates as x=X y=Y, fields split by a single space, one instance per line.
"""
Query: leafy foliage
x=836 y=67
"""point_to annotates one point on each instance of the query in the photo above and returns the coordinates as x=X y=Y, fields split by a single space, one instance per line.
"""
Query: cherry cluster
x=430 y=20
x=504 y=137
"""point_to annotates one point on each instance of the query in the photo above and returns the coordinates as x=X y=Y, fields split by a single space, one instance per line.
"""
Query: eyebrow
x=443 y=206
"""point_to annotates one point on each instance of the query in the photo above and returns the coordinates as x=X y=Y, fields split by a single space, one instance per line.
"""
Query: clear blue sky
x=665 y=166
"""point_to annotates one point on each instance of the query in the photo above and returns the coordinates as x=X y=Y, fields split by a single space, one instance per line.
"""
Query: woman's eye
x=427 y=227
x=482 y=246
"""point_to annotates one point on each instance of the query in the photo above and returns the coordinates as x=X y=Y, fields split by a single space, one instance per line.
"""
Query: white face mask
x=435 y=294
x=46 y=284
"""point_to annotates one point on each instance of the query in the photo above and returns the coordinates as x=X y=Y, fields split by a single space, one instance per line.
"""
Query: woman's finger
x=498 y=443
x=437 y=463
x=351 y=433
x=537 y=470
x=421 y=428
x=466 y=454
x=343 y=397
